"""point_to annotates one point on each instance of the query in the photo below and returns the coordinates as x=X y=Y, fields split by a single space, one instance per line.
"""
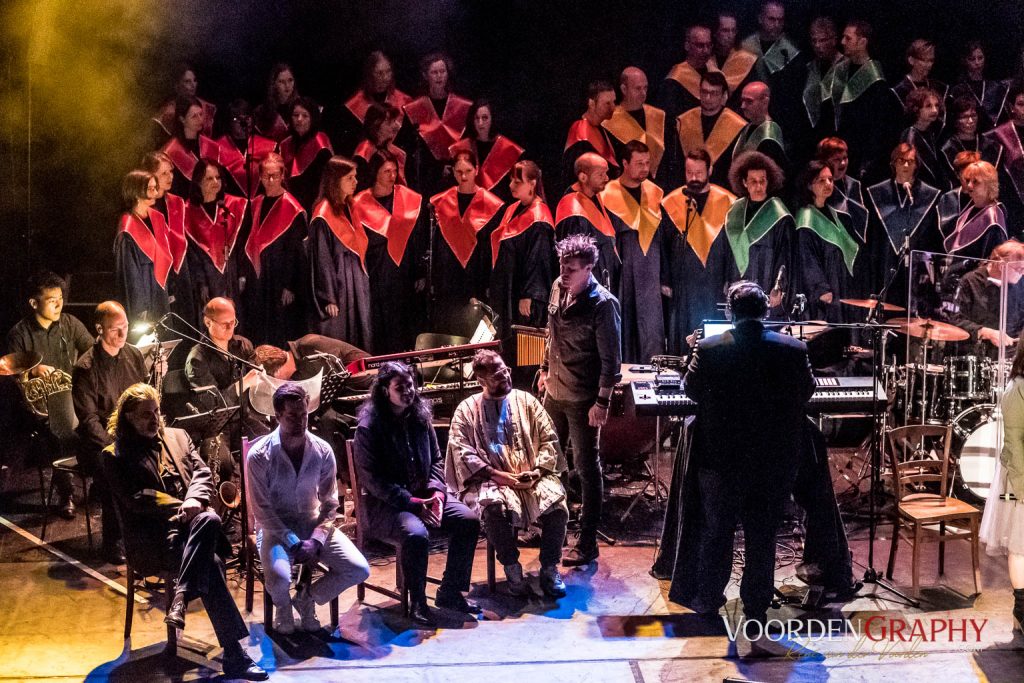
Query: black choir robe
x=345 y=123
x=860 y=107
x=976 y=231
x=185 y=154
x=241 y=181
x=647 y=125
x=439 y=124
x=680 y=91
x=990 y=150
x=496 y=158
x=584 y=137
x=142 y=261
x=848 y=197
x=906 y=85
x=929 y=161
x=460 y=252
x=832 y=259
x=337 y=255
x=761 y=242
x=364 y=153
x=719 y=140
x=1011 y=172
x=213 y=233
x=990 y=96
x=304 y=162
x=522 y=267
x=179 y=280
x=636 y=217
x=699 y=260
x=765 y=137
x=274 y=261
x=893 y=218
x=397 y=235
x=578 y=213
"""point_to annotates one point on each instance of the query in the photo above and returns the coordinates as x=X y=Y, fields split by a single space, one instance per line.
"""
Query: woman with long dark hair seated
x=401 y=468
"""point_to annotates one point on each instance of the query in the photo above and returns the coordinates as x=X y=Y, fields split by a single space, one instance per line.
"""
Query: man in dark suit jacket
x=163 y=490
x=751 y=387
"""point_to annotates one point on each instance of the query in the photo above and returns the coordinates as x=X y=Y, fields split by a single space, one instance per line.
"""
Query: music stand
x=205 y=425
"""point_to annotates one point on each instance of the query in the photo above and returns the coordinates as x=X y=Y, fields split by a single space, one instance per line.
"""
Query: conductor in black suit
x=751 y=387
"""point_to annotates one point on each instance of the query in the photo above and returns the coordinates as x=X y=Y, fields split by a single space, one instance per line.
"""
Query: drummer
x=976 y=309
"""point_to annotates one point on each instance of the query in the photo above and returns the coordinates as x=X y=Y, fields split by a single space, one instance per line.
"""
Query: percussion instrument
x=976 y=445
x=871 y=303
x=932 y=330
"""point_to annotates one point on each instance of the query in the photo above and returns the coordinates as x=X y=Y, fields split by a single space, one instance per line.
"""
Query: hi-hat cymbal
x=935 y=330
x=871 y=303
x=17 y=363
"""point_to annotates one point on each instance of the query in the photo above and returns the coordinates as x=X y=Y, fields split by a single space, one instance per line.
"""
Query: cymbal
x=870 y=303
x=17 y=363
x=931 y=329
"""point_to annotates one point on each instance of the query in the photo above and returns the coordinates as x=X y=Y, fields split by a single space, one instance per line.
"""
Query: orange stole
x=276 y=223
x=582 y=130
x=686 y=76
x=359 y=103
x=439 y=133
x=626 y=129
x=234 y=160
x=460 y=231
x=397 y=227
x=577 y=204
x=184 y=160
x=216 y=238
x=736 y=68
x=703 y=227
x=298 y=160
x=691 y=136
x=504 y=155
x=353 y=236
x=537 y=212
x=152 y=244
x=366 y=149
x=643 y=217
x=176 y=229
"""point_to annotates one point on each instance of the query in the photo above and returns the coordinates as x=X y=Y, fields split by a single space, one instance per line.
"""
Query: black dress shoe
x=844 y=594
x=244 y=668
x=579 y=556
x=176 y=614
x=67 y=508
x=420 y=613
x=457 y=602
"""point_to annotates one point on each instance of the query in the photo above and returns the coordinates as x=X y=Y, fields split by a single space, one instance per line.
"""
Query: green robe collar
x=842 y=89
x=778 y=56
x=743 y=236
x=751 y=137
x=830 y=229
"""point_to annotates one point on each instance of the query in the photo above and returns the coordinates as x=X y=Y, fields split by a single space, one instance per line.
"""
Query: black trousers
x=758 y=505
x=201 y=575
x=571 y=422
x=90 y=460
x=407 y=532
x=503 y=537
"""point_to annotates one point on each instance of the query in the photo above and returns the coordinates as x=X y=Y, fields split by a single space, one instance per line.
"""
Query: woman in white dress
x=1002 y=526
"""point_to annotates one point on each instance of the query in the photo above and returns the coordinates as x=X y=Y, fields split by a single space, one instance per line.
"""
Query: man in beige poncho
x=503 y=458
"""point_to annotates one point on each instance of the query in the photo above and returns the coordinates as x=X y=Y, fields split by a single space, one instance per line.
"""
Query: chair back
x=919 y=458
x=358 y=494
x=139 y=552
x=246 y=445
x=61 y=419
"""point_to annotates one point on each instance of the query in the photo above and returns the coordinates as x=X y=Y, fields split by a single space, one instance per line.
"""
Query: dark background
x=79 y=80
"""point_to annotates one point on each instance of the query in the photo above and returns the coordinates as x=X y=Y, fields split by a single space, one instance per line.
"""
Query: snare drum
x=968 y=378
x=920 y=398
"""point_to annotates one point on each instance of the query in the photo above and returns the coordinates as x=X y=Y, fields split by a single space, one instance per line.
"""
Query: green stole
x=752 y=136
x=830 y=230
x=842 y=89
x=774 y=59
x=743 y=236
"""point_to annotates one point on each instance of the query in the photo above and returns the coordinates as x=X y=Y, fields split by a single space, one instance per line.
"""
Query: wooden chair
x=920 y=482
x=254 y=570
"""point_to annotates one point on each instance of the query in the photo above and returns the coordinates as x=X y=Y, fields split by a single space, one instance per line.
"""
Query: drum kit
x=961 y=391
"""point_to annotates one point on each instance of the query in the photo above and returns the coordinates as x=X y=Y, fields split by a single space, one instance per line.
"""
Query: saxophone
x=227 y=490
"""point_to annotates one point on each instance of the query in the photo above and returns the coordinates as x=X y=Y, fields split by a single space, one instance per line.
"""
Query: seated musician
x=59 y=338
x=206 y=368
x=164 y=490
x=99 y=378
x=977 y=301
x=400 y=468
x=504 y=460
x=293 y=494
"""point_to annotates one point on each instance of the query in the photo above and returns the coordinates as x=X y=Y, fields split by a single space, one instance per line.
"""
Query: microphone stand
x=872 y=575
x=237 y=364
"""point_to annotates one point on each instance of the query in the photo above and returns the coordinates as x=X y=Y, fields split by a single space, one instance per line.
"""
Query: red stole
x=234 y=160
x=439 y=133
x=366 y=149
x=460 y=231
x=166 y=114
x=577 y=204
x=397 y=226
x=273 y=226
x=176 y=229
x=216 y=238
x=359 y=103
x=278 y=130
x=537 y=212
x=152 y=244
x=503 y=156
x=183 y=158
x=353 y=236
x=584 y=131
x=298 y=160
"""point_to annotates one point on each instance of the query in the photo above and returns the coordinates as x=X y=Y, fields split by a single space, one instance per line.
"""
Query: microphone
x=490 y=311
x=910 y=195
x=221 y=204
x=779 y=278
x=192 y=410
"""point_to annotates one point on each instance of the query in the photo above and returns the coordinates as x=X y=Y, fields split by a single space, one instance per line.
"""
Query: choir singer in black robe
x=397 y=233
x=440 y=119
x=172 y=208
x=460 y=249
x=581 y=211
x=305 y=151
x=142 y=258
x=337 y=246
x=188 y=145
x=213 y=221
x=274 y=260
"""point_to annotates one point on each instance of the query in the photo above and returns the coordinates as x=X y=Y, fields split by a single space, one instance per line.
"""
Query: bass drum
x=975 y=449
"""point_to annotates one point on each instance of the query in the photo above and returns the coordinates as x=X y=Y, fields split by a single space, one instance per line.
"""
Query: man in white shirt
x=293 y=494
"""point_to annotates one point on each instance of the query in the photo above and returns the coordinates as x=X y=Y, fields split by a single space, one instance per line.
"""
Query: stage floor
x=63 y=613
